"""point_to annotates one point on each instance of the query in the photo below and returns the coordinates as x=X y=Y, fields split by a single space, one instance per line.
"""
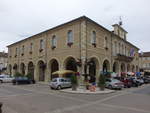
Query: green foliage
x=29 y=76
x=17 y=74
x=74 y=79
x=102 y=80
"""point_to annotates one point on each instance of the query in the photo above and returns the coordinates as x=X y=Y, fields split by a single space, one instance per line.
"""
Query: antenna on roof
x=120 y=21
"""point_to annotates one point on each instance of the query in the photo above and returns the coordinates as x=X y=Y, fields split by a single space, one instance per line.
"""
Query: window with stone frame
x=53 y=42
x=41 y=45
x=70 y=38
x=31 y=48
x=93 y=38
x=106 y=43
x=16 y=52
x=22 y=51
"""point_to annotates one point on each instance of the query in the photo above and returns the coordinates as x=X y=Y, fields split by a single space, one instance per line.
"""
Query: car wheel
x=58 y=87
x=1 y=81
x=110 y=87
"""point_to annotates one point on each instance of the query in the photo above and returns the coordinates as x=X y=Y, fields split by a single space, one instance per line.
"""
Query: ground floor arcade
x=42 y=70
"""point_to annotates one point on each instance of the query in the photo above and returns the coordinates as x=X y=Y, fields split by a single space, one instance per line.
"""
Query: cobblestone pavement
x=38 y=98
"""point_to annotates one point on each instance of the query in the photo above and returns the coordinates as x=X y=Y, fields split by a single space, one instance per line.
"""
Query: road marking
x=47 y=93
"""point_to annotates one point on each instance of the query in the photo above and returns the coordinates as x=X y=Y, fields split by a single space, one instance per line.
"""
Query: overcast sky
x=20 y=19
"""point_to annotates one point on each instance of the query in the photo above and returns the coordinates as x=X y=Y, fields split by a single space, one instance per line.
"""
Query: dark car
x=22 y=80
x=146 y=79
x=127 y=82
x=134 y=82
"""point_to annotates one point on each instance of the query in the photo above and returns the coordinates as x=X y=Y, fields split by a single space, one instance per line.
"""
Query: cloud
x=23 y=18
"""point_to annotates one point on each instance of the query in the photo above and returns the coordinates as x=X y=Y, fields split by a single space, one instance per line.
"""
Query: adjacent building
x=3 y=62
x=81 y=45
x=145 y=61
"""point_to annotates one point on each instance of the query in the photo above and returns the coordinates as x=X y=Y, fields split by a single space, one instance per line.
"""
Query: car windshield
x=54 y=80
x=115 y=80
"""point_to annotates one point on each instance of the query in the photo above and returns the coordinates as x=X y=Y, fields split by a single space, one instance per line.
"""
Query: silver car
x=6 y=78
x=114 y=84
x=59 y=83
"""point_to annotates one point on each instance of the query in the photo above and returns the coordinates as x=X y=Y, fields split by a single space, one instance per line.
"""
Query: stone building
x=145 y=61
x=81 y=45
x=3 y=62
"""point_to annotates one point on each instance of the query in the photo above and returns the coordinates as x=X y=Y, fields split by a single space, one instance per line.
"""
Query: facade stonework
x=81 y=45
x=145 y=61
x=3 y=62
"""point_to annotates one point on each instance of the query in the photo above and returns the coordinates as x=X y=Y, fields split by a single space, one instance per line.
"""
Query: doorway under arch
x=122 y=67
x=41 y=68
x=22 y=68
x=54 y=66
x=115 y=67
x=31 y=69
x=70 y=64
x=106 y=66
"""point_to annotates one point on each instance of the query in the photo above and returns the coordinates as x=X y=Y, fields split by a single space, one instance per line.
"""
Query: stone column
x=36 y=73
x=47 y=74
x=83 y=45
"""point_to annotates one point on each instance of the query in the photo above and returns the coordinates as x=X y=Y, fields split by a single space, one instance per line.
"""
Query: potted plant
x=74 y=82
x=17 y=74
x=101 y=82
x=29 y=76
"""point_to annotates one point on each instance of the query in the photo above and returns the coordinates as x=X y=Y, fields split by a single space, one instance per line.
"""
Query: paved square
x=38 y=98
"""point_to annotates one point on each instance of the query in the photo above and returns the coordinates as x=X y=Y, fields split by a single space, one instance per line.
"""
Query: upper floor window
x=22 y=50
x=41 y=45
x=70 y=37
x=54 y=42
x=93 y=38
x=16 y=52
x=106 y=43
x=31 y=48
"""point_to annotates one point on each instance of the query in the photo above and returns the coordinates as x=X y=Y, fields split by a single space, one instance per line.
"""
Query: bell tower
x=118 y=30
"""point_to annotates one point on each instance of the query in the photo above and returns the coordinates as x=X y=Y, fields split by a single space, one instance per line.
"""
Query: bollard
x=1 y=104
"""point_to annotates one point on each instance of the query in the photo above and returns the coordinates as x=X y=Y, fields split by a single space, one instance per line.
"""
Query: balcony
x=124 y=58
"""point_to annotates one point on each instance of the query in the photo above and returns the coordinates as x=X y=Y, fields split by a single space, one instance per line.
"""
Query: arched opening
x=128 y=68
x=122 y=67
x=71 y=64
x=92 y=71
x=15 y=68
x=42 y=68
x=106 y=66
x=115 y=67
x=54 y=66
x=22 y=68
x=31 y=69
x=133 y=68
x=10 y=69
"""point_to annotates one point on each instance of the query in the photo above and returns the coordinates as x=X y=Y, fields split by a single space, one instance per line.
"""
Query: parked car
x=134 y=82
x=140 y=80
x=59 y=83
x=146 y=80
x=22 y=80
x=5 y=78
x=127 y=83
x=112 y=83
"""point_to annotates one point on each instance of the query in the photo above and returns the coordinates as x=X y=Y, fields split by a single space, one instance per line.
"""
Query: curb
x=89 y=93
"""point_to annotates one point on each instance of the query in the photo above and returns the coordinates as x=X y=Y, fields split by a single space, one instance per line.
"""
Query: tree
x=101 y=82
